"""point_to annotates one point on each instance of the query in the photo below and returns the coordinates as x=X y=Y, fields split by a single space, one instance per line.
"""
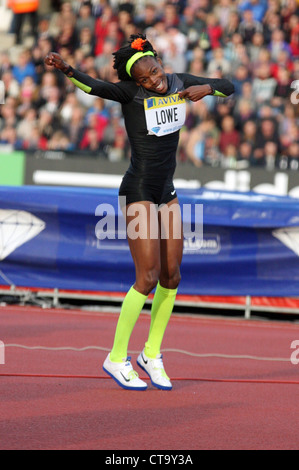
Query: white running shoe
x=124 y=374
x=155 y=370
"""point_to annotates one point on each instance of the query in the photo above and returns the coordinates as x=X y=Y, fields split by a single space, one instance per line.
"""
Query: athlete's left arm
x=197 y=88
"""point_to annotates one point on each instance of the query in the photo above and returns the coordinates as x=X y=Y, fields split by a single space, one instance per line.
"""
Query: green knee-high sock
x=161 y=311
x=130 y=311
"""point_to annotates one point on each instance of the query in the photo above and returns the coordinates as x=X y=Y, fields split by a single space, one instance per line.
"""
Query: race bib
x=164 y=115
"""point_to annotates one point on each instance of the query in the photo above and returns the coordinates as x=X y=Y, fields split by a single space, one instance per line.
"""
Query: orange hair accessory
x=138 y=44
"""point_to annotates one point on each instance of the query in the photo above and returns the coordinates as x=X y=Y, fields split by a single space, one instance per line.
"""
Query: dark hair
x=122 y=56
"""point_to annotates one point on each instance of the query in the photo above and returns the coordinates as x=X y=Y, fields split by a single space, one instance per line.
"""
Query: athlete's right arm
x=123 y=92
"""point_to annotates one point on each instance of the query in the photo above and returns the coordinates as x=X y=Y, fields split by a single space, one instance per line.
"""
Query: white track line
x=180 y=351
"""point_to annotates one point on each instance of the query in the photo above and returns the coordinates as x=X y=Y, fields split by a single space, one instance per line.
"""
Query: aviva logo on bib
x=162 y=102
x=150 y=103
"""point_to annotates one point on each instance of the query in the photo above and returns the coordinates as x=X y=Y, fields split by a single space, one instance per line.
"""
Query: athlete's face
x=148 y=72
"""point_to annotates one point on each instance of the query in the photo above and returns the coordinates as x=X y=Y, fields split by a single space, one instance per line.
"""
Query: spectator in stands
x=203 y=8
x=245 y=153
x=249 y=26
x=271 y=155
x=103 y=30
x=44 y=31
x=257 y=43
x=28 y=97
x=86 y=42
x=229 y=156
x=53 y=100
x=75 y=127
x=22 y=9
x=100 y=109
x=294 y=35
x=59 y=141
x=214 y=31
x=271 y=24
x=295 y=71
x=287 y=119
x=49 y=80
x=218 y=62
x=287 y=11
x=96 y=6
x=85 y=18
x=241 y=76
x=232 y=26
x=24 y=67
x=170 y=16
x=91 y=143
x=273 y=7
x=257 y=9
x=47 y=125
x=286 y=140
x=115 y=138
x=8 y=114
x=32 y=141
x=283 y=87
x=244 y=110
x=95 y=127
x=67 y=39
x=9 y=139
x=263 y=85
x=202 y=146
x=293 y=156
x=125 y=23
x=283 y=61
x=228 y=134
x=173 y=56
x=267 y=132
x=103 y=62
x=65 y=16
x=148 y=18
x=11 y=86
x=249 y=133
x=222 y=109
x=191 y=26
x=223 y=10
x=43 y=46
x=196 y=67
x=5 y=62
x=195 y=145
x=258 y=47
x=68 y=105
x=278 y=44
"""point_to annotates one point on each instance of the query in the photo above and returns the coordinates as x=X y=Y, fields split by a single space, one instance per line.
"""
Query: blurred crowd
x=253 y=43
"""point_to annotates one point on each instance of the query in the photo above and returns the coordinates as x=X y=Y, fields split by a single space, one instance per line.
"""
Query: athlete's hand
x=55 y=60
x=196 y=92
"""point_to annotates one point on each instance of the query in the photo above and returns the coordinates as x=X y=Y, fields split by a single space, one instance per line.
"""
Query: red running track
x=234 y=385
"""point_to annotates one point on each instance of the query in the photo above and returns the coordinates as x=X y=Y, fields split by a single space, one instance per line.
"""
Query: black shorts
x=136 y=189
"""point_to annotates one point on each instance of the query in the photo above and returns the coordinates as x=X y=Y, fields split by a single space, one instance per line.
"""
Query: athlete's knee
x=151 y=279
x=171 y=279
x=177 y=278
x=148 y=280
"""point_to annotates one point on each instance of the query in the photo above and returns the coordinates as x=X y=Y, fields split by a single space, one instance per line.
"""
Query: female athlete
x=154 y=106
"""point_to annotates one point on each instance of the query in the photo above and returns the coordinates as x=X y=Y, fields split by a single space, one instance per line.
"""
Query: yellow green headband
x=135 y=57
